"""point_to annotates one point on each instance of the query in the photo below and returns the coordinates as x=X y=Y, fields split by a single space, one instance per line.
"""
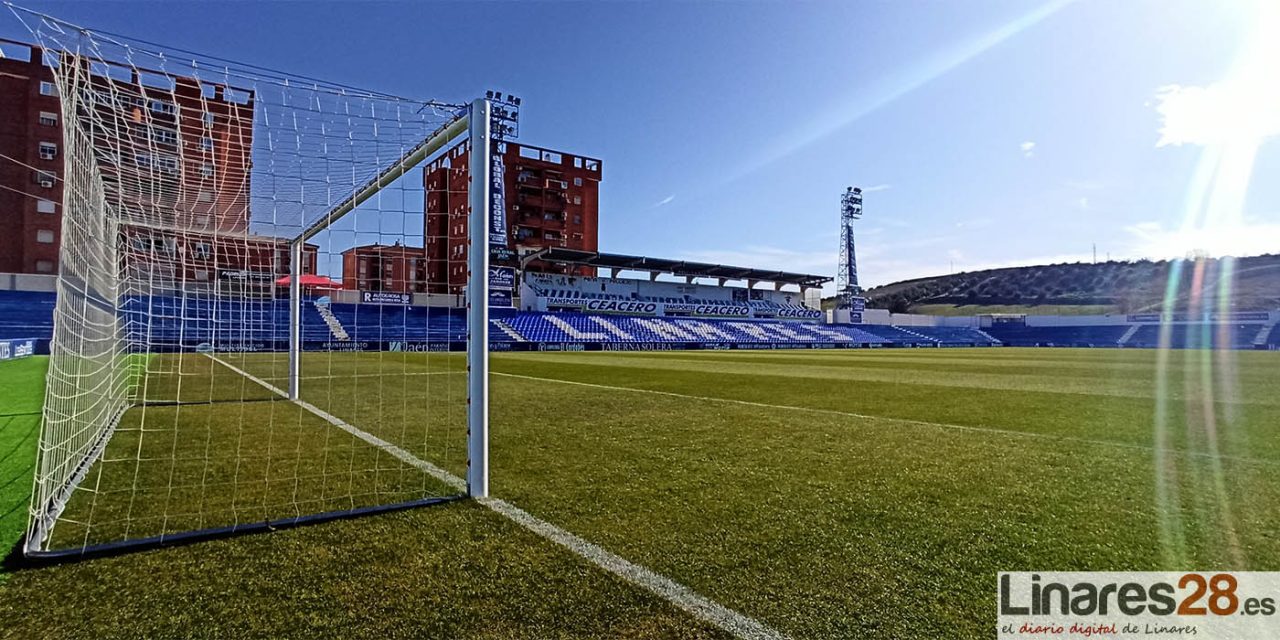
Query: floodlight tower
x=849 y=302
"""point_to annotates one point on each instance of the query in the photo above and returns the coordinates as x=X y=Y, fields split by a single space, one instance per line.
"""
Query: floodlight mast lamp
x=847 y=278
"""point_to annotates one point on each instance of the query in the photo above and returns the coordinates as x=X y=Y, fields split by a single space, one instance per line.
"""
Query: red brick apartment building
x=552 y=197
x=30 y=134
x=377 y=267
x=217 y=262
x=182 y=163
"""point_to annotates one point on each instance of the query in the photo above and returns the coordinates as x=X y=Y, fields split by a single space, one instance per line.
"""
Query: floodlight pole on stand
x=478 y=302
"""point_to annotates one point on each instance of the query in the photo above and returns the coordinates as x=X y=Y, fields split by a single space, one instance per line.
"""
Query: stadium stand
x=1273 y=337
x=898 y=335
x=185 y=322
x=1198 y=336
x=26 y=314
x=932 y=336
x=193 y=322
x=587 y=328
x=1082 y=336
x=386 y=322
x=189 y=322
x=955 y=336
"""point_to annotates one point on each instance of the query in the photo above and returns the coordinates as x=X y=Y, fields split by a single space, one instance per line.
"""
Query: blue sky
x=986 y=133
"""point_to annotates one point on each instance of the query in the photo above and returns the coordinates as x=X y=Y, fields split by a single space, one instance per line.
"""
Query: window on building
x=45 y=206
x=48 y=150
x=45 y=179
x=202 y=250
x=44 y=266
x=206 y=143
x=48 y=89
x=44 y=236
x=593 y=165
x=164 y=136
x=48 y=119
x=142 y=160
x=205 y=196
x=208 y=119
x=577 y=182
x=161 y=106
x=202 y=275
x=167 y=164
x=577 y=199
x=577 y=219
x=206 y=170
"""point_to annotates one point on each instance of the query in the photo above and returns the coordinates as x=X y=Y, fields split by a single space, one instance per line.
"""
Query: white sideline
x=918 y=423
x=683 y=597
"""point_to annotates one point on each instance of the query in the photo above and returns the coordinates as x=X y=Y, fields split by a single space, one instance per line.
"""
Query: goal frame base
x=34 y=558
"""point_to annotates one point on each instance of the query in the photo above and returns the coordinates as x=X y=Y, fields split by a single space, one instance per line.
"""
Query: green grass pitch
x=825 y=493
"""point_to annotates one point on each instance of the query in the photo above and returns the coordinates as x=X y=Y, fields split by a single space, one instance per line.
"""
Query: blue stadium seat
x=1273 y=338
x=187 y=322
x=1059 y=336
x=26 y=314
x=1198 y=335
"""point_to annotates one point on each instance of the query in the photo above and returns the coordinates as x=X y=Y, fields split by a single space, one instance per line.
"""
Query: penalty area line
x=677 y=594
x=908 y=421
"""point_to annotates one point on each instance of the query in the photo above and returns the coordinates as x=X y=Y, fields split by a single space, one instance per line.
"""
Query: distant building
x=552 y=197
x=30 y=134
x=178 y=156
x=207 y=261
x=375 y=267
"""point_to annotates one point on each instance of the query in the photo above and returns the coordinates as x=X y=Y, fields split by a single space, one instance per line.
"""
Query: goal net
x=255 y=325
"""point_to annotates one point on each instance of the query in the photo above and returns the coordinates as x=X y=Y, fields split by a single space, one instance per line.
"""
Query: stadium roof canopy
x=674 y=267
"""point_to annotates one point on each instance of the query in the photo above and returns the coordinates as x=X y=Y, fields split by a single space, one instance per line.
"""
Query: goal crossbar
x=393 y=172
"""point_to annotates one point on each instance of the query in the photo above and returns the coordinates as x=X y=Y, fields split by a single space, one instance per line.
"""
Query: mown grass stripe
x=1046 y=383
x=908 y=421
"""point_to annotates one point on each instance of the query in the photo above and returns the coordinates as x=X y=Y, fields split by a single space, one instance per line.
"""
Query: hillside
x=1105 y=287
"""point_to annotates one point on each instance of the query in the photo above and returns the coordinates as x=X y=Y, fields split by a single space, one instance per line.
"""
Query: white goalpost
x=259 y=320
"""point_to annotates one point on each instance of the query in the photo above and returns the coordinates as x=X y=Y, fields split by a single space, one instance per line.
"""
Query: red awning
x=313 y=281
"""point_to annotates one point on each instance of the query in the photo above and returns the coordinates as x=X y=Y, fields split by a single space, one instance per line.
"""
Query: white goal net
x=255 y=325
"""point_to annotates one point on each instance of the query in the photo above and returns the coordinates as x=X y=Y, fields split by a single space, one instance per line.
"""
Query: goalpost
x=207 y=374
